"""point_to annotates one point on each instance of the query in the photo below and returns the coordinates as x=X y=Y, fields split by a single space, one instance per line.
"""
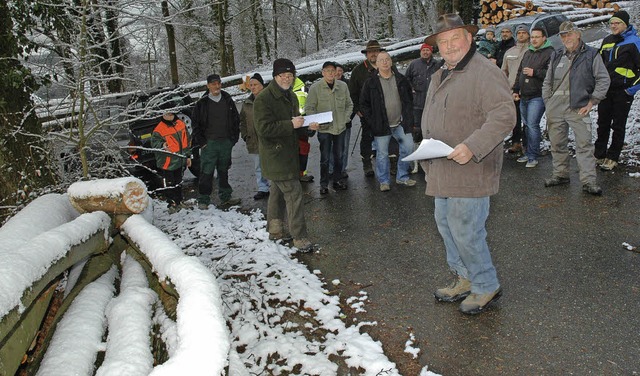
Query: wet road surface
x=571 y=302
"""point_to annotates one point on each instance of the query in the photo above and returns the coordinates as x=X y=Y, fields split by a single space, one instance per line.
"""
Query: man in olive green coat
x=278 y=125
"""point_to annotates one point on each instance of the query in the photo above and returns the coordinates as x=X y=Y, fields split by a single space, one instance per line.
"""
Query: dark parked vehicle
x=549 y=21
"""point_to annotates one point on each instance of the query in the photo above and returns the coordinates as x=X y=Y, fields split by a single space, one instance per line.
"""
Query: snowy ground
x=281 y=317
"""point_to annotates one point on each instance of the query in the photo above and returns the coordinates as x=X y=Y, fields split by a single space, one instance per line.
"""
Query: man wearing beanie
x=621 y=56
x=216 y=128
x=419 y=75
x=506 y=42
x=248 y=132
x=510 y=64
x=276 y=116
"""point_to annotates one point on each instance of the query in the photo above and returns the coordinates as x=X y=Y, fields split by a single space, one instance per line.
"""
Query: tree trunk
x=112 y=196
x=118 y=59
x=275 y=27
x=256 y=31
x=171 y=38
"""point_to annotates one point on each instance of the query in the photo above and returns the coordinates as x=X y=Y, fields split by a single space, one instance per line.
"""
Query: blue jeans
x=263 y=184
x=345 y=151
x=330 y=144
x=405 y=141
x=532 y=111
x=461 y=223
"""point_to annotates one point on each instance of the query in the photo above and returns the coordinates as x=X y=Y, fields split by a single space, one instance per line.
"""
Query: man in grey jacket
x=474 y=119
x=576 y=80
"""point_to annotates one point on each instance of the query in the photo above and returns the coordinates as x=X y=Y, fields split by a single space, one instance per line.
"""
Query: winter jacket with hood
x=462 y=108
x=621 y=56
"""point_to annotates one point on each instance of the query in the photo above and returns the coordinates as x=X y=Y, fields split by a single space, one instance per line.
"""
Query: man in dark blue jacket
x=621 y=56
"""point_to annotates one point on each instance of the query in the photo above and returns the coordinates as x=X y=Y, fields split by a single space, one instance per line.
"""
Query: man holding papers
x=461 y=112
x=332 y=95
x=278 y=123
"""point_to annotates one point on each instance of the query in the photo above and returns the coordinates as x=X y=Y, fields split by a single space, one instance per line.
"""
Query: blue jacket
x=621 y=56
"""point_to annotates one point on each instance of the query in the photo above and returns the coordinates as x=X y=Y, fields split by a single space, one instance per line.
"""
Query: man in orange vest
x=171 y=139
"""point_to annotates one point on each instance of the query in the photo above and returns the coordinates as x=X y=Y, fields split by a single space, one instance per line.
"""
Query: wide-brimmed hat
x=373 y=45
x=448 y=22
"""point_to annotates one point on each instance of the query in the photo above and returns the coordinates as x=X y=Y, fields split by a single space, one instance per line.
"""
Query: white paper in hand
x=429 y=149
x=320 y=118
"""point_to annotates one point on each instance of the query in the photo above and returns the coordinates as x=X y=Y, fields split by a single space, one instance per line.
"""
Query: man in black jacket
x=358 y=76
x=387 y=105
x=216 y=128
x=620 y=54
x=506 y=43
x=528 y=90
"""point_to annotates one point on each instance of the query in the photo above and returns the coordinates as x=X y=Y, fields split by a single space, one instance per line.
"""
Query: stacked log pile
x=495 y=11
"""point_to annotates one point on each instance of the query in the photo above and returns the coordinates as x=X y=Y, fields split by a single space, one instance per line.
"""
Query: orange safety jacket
x=177 y=139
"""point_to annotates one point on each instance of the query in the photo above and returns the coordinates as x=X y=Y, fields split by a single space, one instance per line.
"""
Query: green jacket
x=277 y=139
x=247 y=130
x=337 y=100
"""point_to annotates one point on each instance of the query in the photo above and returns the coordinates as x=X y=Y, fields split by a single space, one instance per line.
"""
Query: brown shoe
x=476 y=303
x=277 y=231
x=608 y=164
x=458 y=290
x=515 y=148
x=303 y=245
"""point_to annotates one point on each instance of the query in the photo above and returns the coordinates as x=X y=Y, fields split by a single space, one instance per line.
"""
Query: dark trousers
x=367 y=139
x=518 y=133
x=172 y=186
x=612 y=116
x=417 y=125
x=215 y=157
x=330 y=144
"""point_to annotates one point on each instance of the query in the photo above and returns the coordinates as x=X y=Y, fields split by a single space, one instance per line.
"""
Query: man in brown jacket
x=474 y=121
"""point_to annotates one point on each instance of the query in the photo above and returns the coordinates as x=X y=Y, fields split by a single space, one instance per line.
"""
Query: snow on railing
x=202 y=337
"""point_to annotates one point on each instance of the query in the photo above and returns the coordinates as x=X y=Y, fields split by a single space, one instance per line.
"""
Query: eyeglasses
x=615 y=23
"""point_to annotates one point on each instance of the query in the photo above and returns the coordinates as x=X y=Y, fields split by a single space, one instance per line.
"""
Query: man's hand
x=461 y=154
x=297 y=121
x=359 y=113
x=188 y=162
x=516 y=96
x=585 y=110
x=314 y=126
x=527 y=72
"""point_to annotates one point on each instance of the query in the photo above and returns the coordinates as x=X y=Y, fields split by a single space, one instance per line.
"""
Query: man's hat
x=329 y=64
x=621 y=15
x=258 y=78
x=427 y=46
x=446 y=22
x=568 y=26
x=522 y=27
x=213 y=78
x=283 y=66
x=373 y=45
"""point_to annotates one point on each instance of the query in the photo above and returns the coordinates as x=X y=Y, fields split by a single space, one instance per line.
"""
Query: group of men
x=448 y=101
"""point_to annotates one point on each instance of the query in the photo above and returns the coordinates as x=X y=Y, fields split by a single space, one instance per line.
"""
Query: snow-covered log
x=78 y=336
x=113 y=196
x=202 y=339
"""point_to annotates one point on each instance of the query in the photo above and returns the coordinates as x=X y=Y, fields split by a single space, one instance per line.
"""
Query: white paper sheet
x=320 y=118
x=429 y=149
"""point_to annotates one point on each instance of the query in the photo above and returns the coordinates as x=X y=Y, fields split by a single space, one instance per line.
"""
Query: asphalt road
x=571 y=302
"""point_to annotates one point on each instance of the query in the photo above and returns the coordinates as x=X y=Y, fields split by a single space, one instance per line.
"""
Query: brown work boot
x=303 y=245
x=476 y=303
x=458 y=290
x=367 y=166
x=277 y=231
x=608 y=164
